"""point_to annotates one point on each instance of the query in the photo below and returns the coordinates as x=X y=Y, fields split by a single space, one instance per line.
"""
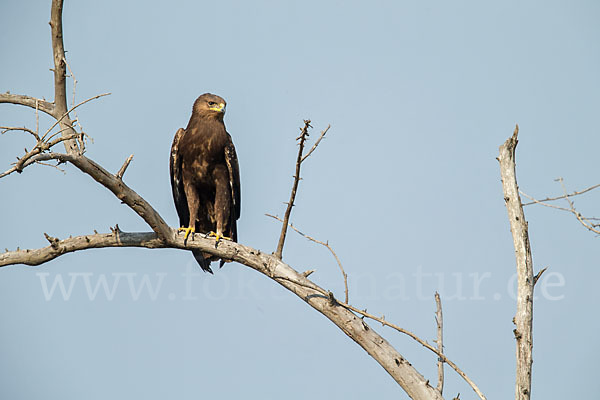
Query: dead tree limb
x=518 y=225
x=286 y=219
x=585 y=221
x=326 y=244
x=112 y=183
x=314 y=147
x=19 y=99
x=422 y=343
x=564 y=196
x=60 y=73
x=119 y=175
x=415 y=385
x=439 y=319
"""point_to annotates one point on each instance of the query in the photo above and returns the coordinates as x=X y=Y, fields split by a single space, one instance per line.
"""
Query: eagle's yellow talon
x=217 y=236
x=187 y=231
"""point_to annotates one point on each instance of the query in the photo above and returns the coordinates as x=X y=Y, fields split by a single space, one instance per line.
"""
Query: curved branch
x=415 y=385
x=59 y=247
x=28 y=101
x=422 y=343
x=112 y=183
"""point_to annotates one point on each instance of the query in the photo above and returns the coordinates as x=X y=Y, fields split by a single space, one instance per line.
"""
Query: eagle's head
x=210 y=106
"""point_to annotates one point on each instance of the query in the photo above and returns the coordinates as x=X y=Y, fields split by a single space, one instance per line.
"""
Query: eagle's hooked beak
x=220 y=108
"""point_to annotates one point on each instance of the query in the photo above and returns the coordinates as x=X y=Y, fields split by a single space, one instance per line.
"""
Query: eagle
x=205 y=176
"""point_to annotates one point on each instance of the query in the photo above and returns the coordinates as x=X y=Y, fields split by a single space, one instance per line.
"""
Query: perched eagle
x=205 y=176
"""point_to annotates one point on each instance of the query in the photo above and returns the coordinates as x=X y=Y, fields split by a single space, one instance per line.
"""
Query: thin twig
x=58 y=133
x=74 y=88
x=421 y=342
x=439 y=319
x=17 y=128
x=535 y=201
x=539 y=275
x=316 y=143
x=564 y=196
x=40 y=147
x=121 y=172
x=51 y=165
x=58 y=120
x=303 y=136
x=583 y=220
x=37 y=119
x=84 y=136
x=326 y=244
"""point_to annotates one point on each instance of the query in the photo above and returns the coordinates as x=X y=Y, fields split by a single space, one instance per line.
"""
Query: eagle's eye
x=212 y=103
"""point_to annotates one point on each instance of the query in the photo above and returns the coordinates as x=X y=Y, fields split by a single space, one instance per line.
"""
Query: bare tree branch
x=60 y=247
x=415 y=385
x=65 y=116
x=28 y=101
x=518 y=225
x=439 y=319
x=439 y=351
x=326 y=244
x=585 y=221
x=115 y=185
x=16 y=128
x=539 y=275
x=121 y=172
x=316 y=144
x=303 y=136
x=60 y=72
x=267 y=265
x=535 y=201
x=422 y=343
x=564 y=196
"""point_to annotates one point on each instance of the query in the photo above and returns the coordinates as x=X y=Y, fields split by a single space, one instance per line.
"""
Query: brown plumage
x=205 y=176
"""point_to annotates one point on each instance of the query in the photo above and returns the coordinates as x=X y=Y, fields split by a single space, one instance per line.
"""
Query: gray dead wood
x=518 y=226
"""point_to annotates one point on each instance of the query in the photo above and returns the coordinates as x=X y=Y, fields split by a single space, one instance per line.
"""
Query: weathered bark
x=28 y=101
x=60 y=84
x=518 y=225
x=415 y=385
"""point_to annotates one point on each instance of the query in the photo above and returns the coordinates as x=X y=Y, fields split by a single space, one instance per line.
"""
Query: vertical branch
x=518 y=226
x=440 y=344
x=60 y=72
x=290 y=204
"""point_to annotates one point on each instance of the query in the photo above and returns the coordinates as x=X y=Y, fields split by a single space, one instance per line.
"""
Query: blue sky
x=405 y=187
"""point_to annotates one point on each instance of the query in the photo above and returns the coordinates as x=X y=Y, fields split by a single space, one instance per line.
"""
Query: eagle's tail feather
x=203 y=260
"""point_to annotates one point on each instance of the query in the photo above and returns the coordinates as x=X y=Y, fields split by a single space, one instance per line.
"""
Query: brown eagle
x=205 y=176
